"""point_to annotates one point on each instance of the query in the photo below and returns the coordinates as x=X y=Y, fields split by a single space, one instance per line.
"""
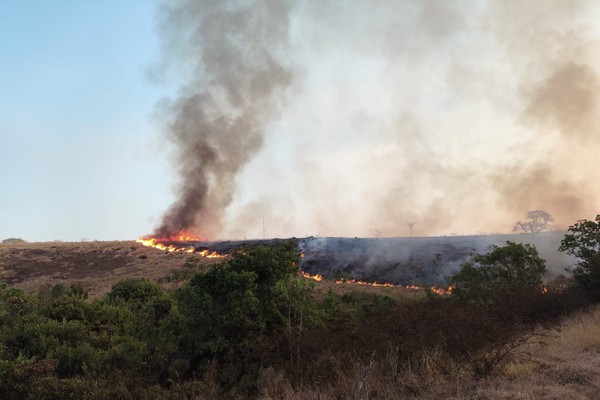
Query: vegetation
x=583 y=241
x=13 y=240
x=534 y=222
x=252 y=327
x=504 y=271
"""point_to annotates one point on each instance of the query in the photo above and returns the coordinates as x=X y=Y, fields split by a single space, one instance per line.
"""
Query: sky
x=80 y=155
x=340 y=118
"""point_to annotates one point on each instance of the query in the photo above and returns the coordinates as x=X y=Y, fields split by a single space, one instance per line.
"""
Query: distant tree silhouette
x=534 y=222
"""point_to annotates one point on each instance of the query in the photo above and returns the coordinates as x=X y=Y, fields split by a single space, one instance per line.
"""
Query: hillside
x=360 y=322
x=37 y=267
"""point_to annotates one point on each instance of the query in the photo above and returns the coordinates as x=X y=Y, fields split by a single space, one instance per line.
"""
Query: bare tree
x=534 y=222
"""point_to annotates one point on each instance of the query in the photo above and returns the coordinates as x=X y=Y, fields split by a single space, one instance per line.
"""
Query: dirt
x=37 y=267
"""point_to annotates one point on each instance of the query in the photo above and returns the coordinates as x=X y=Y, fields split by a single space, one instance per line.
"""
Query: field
x=561 y=361
x=37 y=267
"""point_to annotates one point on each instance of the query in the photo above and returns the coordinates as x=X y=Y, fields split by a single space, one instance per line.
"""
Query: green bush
x=507 y=269
x=583 y=241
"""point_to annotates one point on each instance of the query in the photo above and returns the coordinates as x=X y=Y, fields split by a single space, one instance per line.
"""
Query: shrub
x=583 y=241
x=505 y=270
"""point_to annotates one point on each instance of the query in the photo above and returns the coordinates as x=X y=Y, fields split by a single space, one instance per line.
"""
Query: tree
x=509 y=268
x=534 y=222
x=237 y=305
x=583 y=242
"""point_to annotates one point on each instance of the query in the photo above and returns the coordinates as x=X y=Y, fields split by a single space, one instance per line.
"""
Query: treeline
x=252 y=326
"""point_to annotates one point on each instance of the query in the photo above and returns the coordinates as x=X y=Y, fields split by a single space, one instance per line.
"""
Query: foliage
x=233 y=306
x=13 y=240
x=505 y=270
x=583 y=241
x=534 y=222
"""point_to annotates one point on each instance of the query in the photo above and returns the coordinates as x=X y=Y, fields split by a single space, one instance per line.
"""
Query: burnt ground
x=400 y=260
x=419 y=260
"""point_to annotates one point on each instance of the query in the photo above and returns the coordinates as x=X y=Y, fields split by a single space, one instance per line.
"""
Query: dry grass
x=37 y=267
x=565 y=367
x=395 y=292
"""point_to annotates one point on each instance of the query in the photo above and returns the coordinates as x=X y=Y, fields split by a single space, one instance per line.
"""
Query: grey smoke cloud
x=350 y=118
x=417 y=261
x=232 y=82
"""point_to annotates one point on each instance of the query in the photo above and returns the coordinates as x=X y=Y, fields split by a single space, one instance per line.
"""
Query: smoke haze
x=354 y=118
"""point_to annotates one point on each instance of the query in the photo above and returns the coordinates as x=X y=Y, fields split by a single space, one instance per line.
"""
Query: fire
x=442 y=291
x=357 y=282
x=317 y=277
x=176 y=243
x=157 y=244
x=171 y=248
x=207 y=254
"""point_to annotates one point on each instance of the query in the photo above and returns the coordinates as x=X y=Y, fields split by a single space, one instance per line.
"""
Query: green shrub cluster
x=140 y=341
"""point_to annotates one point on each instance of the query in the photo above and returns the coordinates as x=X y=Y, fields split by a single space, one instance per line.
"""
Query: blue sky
x=80 y=154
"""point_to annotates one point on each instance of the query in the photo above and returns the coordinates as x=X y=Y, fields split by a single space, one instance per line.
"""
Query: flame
x=442 y=291
x=207 y=254
x=182 y=236
x=544 y=290
x=175 y=243
x=156 y=243
x=317 y=277
x=357 y=282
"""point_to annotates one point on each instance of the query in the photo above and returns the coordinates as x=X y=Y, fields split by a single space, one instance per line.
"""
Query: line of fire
x=411 y=263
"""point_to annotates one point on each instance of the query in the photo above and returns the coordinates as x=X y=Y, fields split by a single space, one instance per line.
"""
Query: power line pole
x=264 y=232
x=411 y=225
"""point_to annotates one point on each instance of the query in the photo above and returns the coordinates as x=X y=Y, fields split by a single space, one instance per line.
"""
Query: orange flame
x=207 y=254
x=442 y=291
x=153 y=242
x=357 y=282
x=166 y=244
x=317 y=277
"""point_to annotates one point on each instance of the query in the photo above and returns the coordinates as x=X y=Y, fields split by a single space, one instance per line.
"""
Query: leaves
x=505 y=269
x=583 y=241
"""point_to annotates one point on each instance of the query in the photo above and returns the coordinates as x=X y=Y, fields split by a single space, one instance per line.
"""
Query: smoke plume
x=456 y=116
x=233 y=82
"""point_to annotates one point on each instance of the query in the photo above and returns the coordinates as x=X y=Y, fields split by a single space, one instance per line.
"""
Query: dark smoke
x=234 y=79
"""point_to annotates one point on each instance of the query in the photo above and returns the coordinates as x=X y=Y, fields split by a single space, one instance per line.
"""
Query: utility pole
x=264 y=234
x=411 y=226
